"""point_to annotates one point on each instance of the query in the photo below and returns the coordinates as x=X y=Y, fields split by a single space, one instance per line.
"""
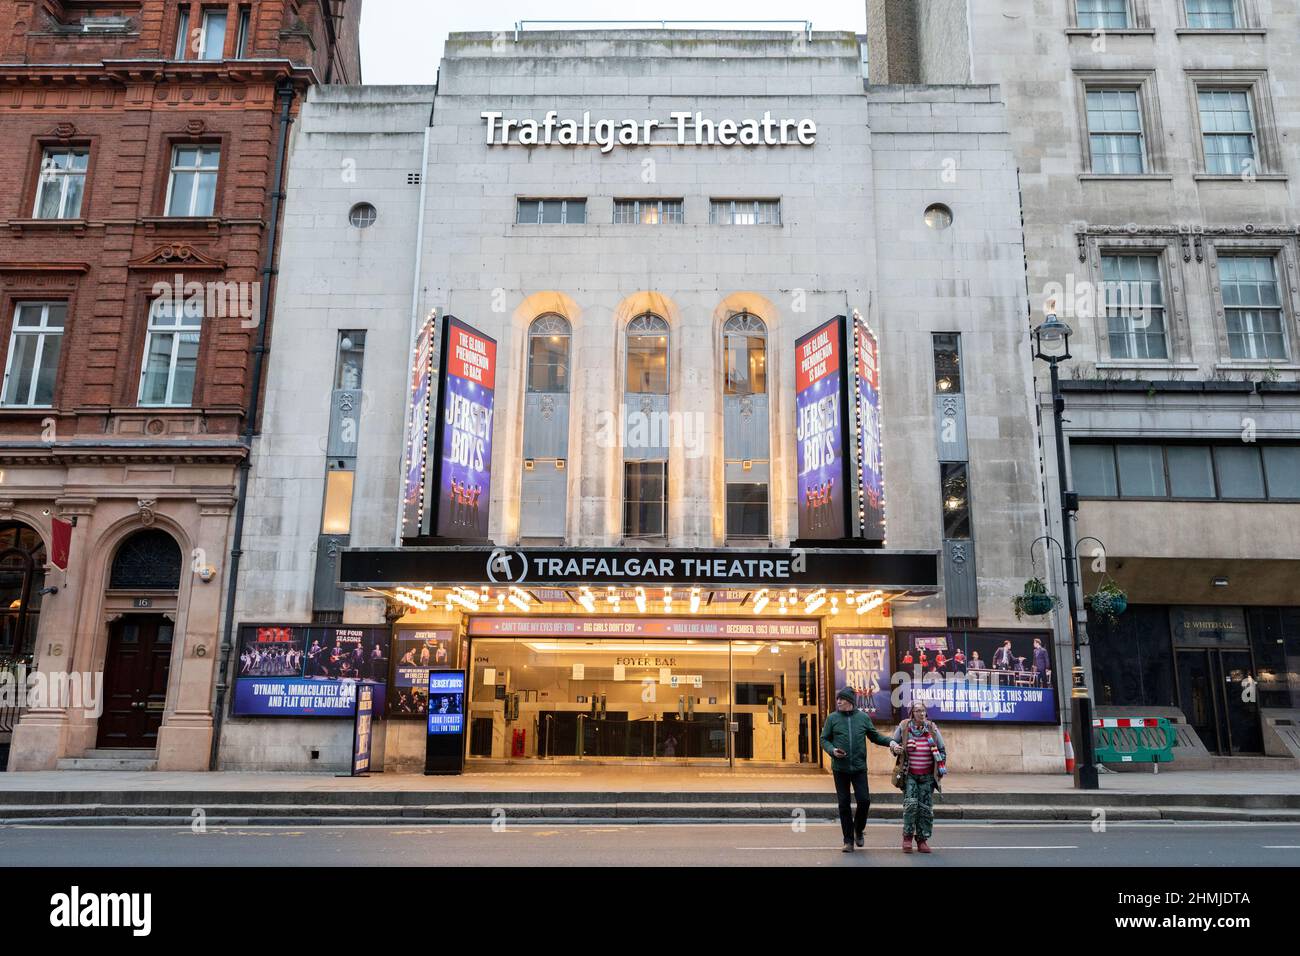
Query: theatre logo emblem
x=76 y=909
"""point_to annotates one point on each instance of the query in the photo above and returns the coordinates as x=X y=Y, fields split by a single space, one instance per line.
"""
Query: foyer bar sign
x=685 y=128
x=565 y=567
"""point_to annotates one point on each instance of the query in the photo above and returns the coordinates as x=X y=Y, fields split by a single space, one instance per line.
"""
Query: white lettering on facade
x=686 y=128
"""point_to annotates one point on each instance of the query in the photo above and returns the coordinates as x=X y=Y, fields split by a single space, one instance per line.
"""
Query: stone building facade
x=620 y=279
x=137 y=164
x=1160 y=207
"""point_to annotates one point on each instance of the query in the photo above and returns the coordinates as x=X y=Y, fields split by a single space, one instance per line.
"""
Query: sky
x=401 y=40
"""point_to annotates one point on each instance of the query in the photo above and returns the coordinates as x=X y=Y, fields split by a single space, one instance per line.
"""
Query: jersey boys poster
x=415 y=653
x=862 y=662
x=866 y=399
x=819 y=432
x=465 y=414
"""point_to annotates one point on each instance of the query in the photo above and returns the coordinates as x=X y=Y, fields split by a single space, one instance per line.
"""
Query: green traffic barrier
x=1133 y=740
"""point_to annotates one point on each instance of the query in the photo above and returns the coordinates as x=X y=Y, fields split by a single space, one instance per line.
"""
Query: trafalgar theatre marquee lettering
x=684 y=129
x=563 y=567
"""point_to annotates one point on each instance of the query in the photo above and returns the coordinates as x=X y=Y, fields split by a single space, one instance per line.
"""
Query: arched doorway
x=22 y=576
x=138 y=661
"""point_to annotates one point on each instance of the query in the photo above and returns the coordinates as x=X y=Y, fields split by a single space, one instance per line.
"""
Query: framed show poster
x=417 y=651
x=308 y=670
x=861 y=660
x=979 y=676
x=821 y=434
x=461 y=491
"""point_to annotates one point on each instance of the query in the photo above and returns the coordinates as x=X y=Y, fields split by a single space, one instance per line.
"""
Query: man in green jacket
x=844 y=737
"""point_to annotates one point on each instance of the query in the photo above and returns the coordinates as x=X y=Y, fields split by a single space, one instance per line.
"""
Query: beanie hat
x=849 y=694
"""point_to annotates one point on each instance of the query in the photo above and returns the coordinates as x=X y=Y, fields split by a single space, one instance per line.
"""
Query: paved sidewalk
x=568 y=778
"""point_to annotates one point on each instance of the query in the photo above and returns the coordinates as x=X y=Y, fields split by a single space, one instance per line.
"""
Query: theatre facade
x=588 y=370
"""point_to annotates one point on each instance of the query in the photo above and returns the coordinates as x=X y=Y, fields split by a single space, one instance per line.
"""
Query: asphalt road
x=767 y=845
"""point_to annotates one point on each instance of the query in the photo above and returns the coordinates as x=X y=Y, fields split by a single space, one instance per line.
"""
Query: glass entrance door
x=1241 y=711
x=1215 y=699
x=669 y=701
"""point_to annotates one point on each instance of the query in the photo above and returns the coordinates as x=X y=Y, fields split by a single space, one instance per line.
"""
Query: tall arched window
x=744 y=343
x=148 y=560
x=22 y=576
x=543 y=493
x=548 y=354
x=646 y=429
x=746 y=438
x=647 y=355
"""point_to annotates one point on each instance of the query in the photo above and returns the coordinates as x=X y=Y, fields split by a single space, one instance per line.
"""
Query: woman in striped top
x=927 y=758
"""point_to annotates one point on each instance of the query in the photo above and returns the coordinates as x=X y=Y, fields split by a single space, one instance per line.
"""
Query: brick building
x=138 y=153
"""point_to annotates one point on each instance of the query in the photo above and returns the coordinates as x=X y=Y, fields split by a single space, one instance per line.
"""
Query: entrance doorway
x=651 y=701
x=135 y=680
x=1215 y=699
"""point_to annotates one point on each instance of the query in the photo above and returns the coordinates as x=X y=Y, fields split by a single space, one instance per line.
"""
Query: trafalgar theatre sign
x=683 y=128
x=566 y=567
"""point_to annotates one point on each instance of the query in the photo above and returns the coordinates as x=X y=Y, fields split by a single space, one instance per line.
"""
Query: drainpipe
x=286 y=93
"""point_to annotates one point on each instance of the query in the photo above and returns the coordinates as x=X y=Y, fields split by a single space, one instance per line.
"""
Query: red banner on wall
x=60 y=543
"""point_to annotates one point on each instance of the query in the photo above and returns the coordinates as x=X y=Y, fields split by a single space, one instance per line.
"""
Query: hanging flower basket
x=1109 y=601
x=1035 y=601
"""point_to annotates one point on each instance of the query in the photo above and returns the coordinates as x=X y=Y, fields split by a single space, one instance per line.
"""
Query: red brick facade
x=123 y=97
x=164 y=144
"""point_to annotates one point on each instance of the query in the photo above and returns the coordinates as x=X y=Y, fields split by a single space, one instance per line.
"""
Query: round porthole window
x=938 y=216
x=363 y=215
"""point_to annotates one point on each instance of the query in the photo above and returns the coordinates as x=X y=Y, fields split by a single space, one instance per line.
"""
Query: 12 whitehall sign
x=691 y=129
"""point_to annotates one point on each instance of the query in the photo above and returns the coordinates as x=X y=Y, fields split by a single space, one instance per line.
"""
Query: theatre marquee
x=561 y=567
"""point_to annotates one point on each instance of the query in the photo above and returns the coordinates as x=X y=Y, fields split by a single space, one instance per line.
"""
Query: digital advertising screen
x=820 y=433
x=446 y=702
x=300 y=670
x=464 y=431
x=980 y=676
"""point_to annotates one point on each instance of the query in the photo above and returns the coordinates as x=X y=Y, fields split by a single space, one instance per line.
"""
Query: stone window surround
x=168 y=142
x=1283 y=251
x=1143 y=82
x=1248 y=20
x=1177 y=333
x=31 y=183
x=1268 y=150
x=1139 y=21
x=37 y=285
x=132 y=352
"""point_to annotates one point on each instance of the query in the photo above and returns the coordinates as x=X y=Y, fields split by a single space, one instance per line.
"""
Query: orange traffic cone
x=1069 y=754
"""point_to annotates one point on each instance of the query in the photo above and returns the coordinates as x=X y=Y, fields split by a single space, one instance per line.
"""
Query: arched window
x=543 y=494
x=22 y=576
x=645 y=440
x=548 y=354
x=647 y=355
x=746 y=436
x=147 y=561
x=744 y=343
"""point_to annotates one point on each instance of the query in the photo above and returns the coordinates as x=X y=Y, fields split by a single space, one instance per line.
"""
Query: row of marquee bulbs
x=781 y=600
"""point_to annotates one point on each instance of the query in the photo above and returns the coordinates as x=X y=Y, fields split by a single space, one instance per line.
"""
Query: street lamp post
x=1047 y=337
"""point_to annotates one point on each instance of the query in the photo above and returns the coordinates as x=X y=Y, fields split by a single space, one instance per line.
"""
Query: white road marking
x=822 y=849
